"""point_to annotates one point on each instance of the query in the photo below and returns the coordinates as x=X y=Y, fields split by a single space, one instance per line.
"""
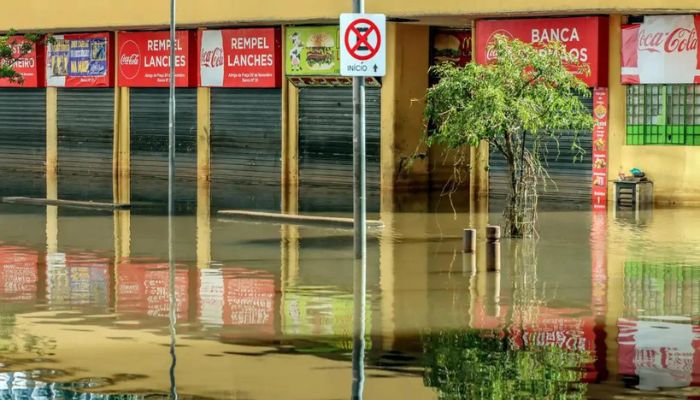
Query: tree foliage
x=527 y=95
x=12 y=50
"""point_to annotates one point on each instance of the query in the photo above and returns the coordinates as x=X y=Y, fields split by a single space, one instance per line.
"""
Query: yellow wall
x=89 y=14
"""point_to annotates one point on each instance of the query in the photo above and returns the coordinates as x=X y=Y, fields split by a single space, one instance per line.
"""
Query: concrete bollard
x=469 y=241
x=493 y=248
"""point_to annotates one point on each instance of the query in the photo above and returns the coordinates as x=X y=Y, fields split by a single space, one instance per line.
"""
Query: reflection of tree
x=13 y=339
x=482 y=365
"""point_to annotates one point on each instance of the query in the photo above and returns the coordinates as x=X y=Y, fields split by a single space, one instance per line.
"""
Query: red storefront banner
x=80 y=60
x=30 y=65
x=584 y=37
x=144 y=59
x=240 y=58
x=663 y=49
x=600 y=149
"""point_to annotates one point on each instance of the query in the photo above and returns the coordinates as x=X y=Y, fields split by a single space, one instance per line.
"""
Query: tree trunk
x=511 y=213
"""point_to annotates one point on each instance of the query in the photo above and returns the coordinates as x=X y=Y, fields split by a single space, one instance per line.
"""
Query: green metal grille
x=663 y=115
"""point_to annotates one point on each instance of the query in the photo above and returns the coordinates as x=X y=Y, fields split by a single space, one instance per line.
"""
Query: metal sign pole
x=171 y=203
x=360 y=232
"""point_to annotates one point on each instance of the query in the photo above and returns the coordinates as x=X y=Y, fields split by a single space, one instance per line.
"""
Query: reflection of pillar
x=51 y=142
x=386 y=275
x=51 y=229
x=203 y=223
x=122 y=234
x=289 y=273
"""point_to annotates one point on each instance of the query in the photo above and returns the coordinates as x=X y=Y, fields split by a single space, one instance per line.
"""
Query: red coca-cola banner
x=144 y=59
x=30 y=65
x=240 y=58
x=663 y=49
x=600 y=149
x=584 y=37
x=144 y=289
x=80 y=60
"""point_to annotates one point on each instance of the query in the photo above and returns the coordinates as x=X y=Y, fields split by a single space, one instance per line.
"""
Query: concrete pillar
x=203 y=134
x=51 y=142
x=290 y=147
x=403 y=91
x=617 y=99
x=121 y=163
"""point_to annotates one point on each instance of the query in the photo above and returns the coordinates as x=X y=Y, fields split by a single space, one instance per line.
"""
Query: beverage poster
x=312 y=50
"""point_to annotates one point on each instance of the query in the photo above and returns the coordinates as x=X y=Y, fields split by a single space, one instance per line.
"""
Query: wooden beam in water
x=65 y=203
x=277 y=218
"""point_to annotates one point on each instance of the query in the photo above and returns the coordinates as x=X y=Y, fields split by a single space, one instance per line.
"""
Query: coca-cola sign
x=662 y=49
x=584 y=37
x=240 y=58
x=144 y=59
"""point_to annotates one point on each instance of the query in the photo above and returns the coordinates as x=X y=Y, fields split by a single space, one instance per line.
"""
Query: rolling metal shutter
x=325 y=149
x=246 y=143
x=23 y=142
x=149 y=145
x=85 y=137
x=573 y=179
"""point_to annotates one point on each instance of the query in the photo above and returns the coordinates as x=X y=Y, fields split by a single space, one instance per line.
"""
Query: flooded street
x=599 y=307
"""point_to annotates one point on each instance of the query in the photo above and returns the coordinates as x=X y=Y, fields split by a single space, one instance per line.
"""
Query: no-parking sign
x=362 y=44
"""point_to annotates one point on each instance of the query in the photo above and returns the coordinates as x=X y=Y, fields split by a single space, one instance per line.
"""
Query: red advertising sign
x=600 y=149
x=584 y=37
x=144 y=59
x=663 y=49
x=80 y=60
x=30 y=65
x=240 y=58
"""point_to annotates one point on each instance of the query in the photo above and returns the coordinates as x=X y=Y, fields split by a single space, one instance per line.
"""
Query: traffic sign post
x=363 y=47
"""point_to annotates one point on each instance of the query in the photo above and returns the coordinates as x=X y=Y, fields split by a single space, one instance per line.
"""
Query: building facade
x=264 y=117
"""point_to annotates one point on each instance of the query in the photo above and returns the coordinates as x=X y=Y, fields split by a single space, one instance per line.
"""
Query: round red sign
x=129 y=60
x=362 y=39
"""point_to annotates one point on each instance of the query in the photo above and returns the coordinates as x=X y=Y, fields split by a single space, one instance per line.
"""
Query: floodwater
x=601 y=306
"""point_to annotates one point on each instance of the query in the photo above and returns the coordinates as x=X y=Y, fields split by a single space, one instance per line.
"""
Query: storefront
x=587 y=39
x=144 y=67
x=325 y=122
x=243 y=69
x=23 y=125
x=80 y=66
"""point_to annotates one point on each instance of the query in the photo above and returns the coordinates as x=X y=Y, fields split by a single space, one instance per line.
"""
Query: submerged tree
x=12 y=50
x=526 y=95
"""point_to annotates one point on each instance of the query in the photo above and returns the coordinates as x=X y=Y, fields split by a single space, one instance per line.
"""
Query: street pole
x=171 y=204
x=360 y=224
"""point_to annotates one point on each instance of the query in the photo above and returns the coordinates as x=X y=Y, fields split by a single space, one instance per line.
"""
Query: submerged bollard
x=468 y=263
x=493 y=248
x=469 y=241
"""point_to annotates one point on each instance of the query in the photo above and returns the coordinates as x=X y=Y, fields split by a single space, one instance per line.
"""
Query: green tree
x=526 y=95
x=12 y=50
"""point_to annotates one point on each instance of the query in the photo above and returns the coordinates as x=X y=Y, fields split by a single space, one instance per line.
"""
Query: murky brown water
x=599 y=307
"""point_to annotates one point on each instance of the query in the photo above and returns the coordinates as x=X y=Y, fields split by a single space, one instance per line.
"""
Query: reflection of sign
x=663 y=49
x=30 y=65
x=600 y=149
x=662 y=354
x=144 y=59
x=584 y=37
x=240 y=58
x=145 y=289
x=451 y=45
x=312 y=50
x=18 y=273
x=77 y=279
x=363 y=51
x=79 y=60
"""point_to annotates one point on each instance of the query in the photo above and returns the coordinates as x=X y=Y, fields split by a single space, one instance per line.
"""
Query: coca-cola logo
x=490 y=51
x=677 y=41
x=129 y=60
x=212 y=58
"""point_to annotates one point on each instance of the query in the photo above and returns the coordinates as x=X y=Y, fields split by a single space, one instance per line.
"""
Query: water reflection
x=598 y=307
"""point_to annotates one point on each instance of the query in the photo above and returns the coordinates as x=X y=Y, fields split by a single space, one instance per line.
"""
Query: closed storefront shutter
x=326 y=149
x=572 y=180
x=23 y=141
x=149 y=145
x=85 y=138
x=246 y=148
